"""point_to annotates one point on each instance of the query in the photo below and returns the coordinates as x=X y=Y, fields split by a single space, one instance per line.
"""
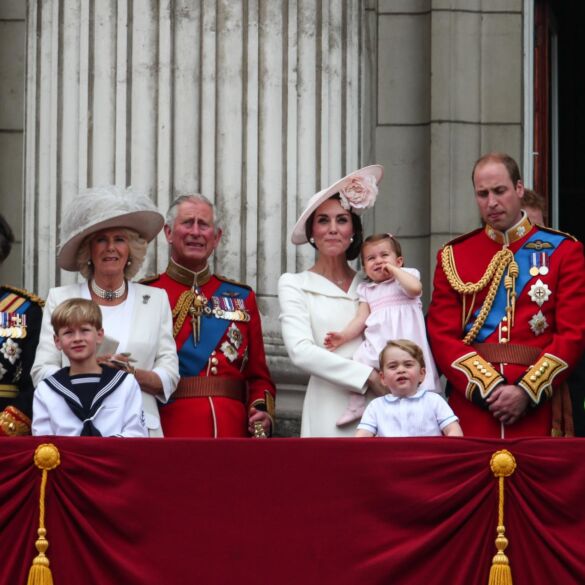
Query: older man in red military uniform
x=225 y=388
x=506 y=317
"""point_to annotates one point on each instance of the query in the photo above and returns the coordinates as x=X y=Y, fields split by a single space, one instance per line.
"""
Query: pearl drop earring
x=312 y=240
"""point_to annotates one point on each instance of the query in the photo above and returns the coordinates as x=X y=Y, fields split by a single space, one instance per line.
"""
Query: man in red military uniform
x=225 y=388
x=506 y=317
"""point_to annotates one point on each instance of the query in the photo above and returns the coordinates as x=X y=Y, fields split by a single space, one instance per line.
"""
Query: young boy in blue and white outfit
x=408 y=410
x=86 y=398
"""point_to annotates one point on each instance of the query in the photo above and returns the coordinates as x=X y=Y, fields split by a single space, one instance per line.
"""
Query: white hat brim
x=299 y=235
x=147 y=223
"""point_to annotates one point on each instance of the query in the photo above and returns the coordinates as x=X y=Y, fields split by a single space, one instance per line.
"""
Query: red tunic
x=553 y=332
x=217 y=416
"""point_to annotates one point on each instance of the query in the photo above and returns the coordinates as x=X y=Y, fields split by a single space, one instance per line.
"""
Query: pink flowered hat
x=357 y=192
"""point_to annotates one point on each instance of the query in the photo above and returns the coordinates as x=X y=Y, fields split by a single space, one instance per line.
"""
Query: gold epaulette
x=231 y=281
x=26 y=294
x=553 y=231
x=539 y=377
x=481 y=375
x=148 y=279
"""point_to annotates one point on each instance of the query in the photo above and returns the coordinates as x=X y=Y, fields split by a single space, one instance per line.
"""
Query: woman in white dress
x=324 y=298
x=104 y=236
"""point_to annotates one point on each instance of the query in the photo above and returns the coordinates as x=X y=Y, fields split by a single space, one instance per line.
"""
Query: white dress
x=311 y=306
x=394 y=315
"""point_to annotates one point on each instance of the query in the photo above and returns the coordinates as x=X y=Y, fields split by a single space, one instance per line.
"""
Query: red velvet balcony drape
x=293 y=511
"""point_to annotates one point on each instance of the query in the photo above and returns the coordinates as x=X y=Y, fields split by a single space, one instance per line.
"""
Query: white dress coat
x=150 y=342
x=310 y=307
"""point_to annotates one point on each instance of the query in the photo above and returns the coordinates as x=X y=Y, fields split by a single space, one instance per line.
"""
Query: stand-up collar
x=186 y=276
x=512 y=235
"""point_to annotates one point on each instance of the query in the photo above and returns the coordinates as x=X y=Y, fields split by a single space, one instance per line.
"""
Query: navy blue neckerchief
x=523 y=258
x=193 y=358
x=108 y=382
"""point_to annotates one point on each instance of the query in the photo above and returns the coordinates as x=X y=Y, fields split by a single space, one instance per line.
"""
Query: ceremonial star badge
x=11 y=351
x=538 y=323
x=539 y=292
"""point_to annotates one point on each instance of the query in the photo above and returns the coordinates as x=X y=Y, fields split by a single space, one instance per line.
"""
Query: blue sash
x=523 y=258
x=193 y=358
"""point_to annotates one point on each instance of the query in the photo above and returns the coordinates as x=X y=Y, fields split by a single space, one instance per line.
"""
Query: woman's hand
x=375 y=384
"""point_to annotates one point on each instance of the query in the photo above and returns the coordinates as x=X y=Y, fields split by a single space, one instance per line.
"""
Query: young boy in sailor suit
x=86 y=398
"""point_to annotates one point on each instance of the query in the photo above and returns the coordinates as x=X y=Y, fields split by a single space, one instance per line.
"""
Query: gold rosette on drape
x=46 y=458
x=502 y=465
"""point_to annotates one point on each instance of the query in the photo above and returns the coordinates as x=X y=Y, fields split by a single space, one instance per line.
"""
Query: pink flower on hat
x=359 y=193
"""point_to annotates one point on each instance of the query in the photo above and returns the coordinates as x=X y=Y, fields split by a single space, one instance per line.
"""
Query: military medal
x=534 y=264
x=539 y=292
x=543 y=269
x=538 y=323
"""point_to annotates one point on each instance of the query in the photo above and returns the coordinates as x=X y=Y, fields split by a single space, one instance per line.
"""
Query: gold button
x=504 y=328
x=488 y=374
x=533 y=378
x=476 y=363
x=504 y=319
x=504 y=341
x=214 y=361
x=214 y=371
x=545 y=364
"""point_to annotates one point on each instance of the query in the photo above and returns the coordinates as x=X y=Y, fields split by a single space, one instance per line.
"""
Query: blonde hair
x=76 y=312
x=136 y=244
x=406 y=345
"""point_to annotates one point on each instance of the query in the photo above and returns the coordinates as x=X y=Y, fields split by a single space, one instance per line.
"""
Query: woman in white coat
x=104 y=235
x=324 y=298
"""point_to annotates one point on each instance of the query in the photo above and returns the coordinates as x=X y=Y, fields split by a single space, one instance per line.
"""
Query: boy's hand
x=333 y=340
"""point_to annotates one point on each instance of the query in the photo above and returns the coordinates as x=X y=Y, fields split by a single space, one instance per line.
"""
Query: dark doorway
x=571 y=115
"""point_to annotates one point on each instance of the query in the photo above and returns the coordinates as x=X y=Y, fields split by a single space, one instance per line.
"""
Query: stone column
x=255 y=104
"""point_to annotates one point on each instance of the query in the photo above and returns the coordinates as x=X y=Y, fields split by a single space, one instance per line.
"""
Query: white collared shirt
x=425 y=414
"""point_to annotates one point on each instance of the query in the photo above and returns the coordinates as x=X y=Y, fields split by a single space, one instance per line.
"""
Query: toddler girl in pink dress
x=389 y=308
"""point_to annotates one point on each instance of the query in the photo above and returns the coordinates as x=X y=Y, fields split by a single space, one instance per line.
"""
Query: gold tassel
x=503 y=465
x=46 y=458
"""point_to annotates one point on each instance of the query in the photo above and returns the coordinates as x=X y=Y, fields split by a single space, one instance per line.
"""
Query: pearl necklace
x=108 y=295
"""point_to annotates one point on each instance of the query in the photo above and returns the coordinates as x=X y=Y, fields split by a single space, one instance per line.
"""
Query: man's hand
x=259 y=416
x=508 y=403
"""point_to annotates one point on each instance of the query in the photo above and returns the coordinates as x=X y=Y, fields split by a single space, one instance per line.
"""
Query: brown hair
x=499 y=157
x=76 y=312
x=375 y=238
x=533 y=199
x=406 y=345
x=358 y=232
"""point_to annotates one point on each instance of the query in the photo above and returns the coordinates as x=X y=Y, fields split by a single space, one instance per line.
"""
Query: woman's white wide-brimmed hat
x=103 y=208
x=357 y=192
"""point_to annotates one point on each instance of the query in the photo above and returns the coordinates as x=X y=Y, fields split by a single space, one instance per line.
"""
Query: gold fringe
x=46 y=458
x=502 y=465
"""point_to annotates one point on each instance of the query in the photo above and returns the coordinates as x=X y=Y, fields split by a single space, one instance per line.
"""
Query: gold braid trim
x=493 y=275
x=181 y=309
